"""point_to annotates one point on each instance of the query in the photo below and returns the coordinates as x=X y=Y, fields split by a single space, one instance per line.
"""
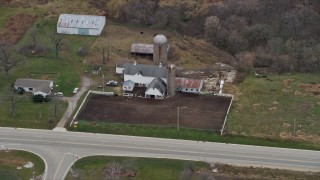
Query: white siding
x=139 y=79
x=155 y=92
x=62 y=30
x=119 y=70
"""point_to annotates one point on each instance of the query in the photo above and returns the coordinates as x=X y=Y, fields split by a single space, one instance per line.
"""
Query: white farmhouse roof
x=81 y=21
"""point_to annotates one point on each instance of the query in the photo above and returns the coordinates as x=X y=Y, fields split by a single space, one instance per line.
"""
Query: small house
x=34 y=86
x=96 y=70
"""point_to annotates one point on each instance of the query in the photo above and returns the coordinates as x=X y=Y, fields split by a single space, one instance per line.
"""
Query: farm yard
x=198 y=112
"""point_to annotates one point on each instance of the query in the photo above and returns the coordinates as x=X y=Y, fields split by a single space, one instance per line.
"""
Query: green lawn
x=147 y=168
x=9 y=161
x=270 y=109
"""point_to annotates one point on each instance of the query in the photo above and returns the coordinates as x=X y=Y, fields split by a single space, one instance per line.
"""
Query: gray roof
x=145 y=70
x=37 y=84
x=128 y=83
x=81 y=21
x=142 y=48
x=159 y=84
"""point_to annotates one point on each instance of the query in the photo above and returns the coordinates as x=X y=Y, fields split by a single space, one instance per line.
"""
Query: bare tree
x=105 y=52
x=14 y=100
x=113 y=171
x=211 y=27
x=7 y=59
x=316 y=55
x=58 y=41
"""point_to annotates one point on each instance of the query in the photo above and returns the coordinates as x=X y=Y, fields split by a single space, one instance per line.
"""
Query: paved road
x=61 y=149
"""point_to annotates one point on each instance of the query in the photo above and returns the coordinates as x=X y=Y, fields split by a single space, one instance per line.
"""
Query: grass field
x=277 y=106
x=147 y=168
x=9 y=161
x=168 y=169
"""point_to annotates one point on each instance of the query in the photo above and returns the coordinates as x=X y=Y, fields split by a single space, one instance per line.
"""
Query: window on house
x=30 y=89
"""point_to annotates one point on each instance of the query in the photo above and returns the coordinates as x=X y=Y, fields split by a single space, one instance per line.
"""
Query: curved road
x=61 y=149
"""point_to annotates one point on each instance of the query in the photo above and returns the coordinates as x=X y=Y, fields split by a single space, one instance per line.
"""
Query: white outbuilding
x=80 y=24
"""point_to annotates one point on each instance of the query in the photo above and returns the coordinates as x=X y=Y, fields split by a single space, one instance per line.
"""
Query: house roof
x=81 y=21
x=159 y=84
x=188 y=83
x=142 y=48
x=37 y=84
x=145 y=70
x=128 y=83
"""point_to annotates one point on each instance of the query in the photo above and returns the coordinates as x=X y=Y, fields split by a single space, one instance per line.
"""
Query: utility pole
x=103 y=82
x=294 y=128
x=178 y=118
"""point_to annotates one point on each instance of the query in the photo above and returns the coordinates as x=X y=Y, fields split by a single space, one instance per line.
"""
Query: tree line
x=280 y=35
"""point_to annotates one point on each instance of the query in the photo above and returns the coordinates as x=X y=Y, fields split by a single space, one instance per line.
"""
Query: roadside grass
x=158 y=168
x=187 y=134
x=11 y=159
x=269 y=108
x=30 y=114
x=147 y=168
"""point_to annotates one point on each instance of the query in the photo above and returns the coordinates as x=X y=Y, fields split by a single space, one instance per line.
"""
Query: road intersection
x=60 y=150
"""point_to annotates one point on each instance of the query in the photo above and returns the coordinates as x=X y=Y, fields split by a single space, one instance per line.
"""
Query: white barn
x=156 y=89
x=80 y=24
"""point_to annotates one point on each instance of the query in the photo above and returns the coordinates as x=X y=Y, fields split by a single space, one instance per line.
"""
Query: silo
x=160 y=49
x=171 y=80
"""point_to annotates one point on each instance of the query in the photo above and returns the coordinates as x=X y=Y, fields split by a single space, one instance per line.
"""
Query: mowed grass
x=147 y=168
x=187 y=134
x=269 y=108
x=9 y=161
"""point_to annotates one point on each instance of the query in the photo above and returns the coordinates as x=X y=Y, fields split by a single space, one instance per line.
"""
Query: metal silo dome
x=160 y=39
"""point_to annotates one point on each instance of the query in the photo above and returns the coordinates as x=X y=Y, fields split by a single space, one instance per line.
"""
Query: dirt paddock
x=195 y=111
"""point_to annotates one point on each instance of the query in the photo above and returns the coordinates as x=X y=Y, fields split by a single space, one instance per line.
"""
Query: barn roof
x=188 y=83
x=81 y=21
x=138 y=48
x=37 y=84
x=145 y=70
x=159 y=84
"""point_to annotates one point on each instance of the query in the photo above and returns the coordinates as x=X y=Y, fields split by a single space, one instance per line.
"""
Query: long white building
x=80 y=24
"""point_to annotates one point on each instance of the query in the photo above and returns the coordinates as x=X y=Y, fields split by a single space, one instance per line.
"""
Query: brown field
x=16 y=26
x=196 y=111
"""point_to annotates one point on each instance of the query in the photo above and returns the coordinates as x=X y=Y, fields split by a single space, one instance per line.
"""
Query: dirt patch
x=16 y=26
x=314 y=88
x=287 y=83
x=196 y=111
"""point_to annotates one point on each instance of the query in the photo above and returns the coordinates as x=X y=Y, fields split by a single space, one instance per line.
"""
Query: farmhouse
x=158 y=80
x=35 y=86
x=80 y=24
